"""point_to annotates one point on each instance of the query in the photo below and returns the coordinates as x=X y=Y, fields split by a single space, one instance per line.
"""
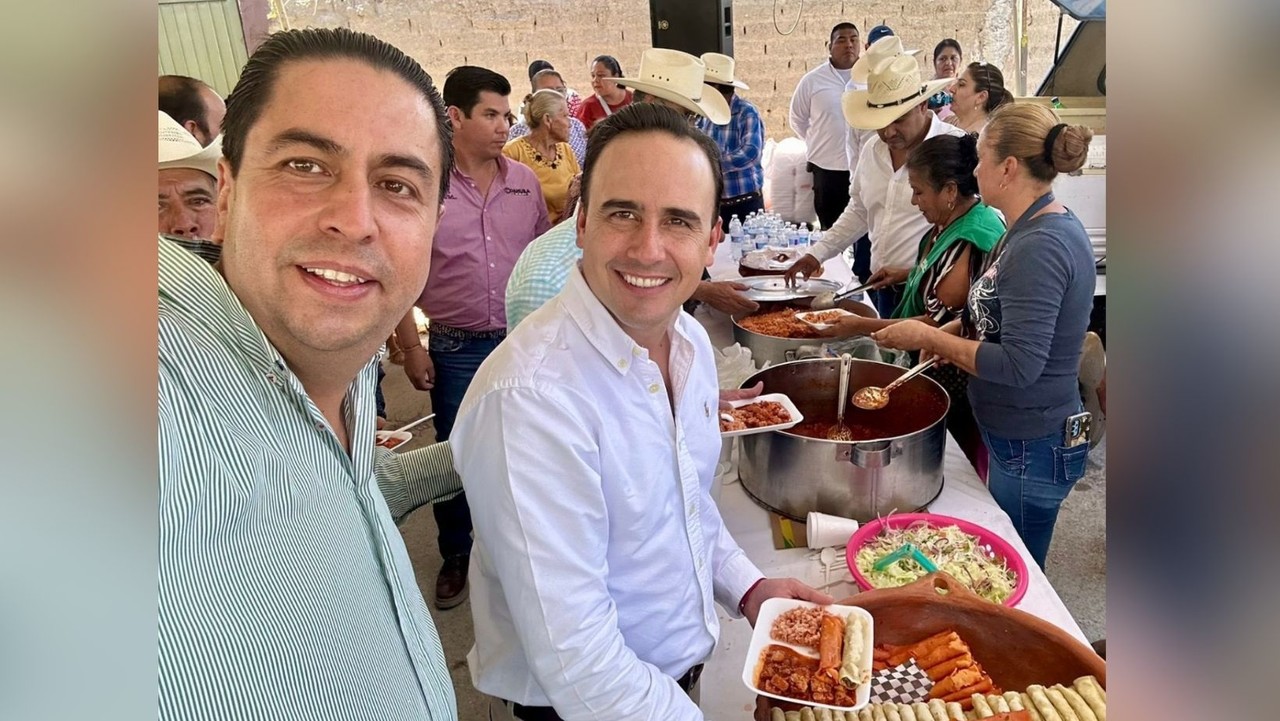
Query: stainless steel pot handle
x=871 y=455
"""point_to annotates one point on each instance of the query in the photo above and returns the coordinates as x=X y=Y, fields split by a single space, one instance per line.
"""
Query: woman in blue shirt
x=1021 y=335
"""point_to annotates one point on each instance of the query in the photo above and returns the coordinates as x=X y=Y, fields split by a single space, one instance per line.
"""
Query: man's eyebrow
x=412 y=163
x=197 y=191
x=620 y=205
x=298 y=136
x=683 y=214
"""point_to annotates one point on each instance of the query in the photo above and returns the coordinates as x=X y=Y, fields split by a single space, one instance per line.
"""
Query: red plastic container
x=999 y=546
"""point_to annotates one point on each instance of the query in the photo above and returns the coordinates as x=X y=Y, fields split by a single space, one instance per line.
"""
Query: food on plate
x=799 y=626
x=1012 y=706
x=854 y=669
x=824 y=317
x=754 y=415
x=388 y=441
x=779 y=324
x=789 y=673
x=952 y=550
x=830 y=645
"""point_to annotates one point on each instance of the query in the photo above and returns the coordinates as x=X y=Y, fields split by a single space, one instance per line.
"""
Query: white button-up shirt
x=817 y=119
x=598 y=550
x=880 y=205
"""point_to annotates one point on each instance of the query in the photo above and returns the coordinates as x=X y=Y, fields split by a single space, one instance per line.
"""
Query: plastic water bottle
x=815 y=237
x=736 y=238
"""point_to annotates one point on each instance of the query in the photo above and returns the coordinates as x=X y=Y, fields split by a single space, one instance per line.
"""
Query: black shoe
x=451 y=583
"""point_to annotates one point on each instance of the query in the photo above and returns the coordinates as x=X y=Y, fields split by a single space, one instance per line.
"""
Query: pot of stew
x=893 y=463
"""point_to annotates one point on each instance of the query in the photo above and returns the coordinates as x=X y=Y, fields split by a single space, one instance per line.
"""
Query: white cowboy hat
x=893 y=87
x=889 y=46
x=180 y=149
x=679 y=77
x=720 y=69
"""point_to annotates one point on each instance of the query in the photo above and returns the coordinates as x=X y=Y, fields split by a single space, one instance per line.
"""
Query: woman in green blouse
x=951 y=255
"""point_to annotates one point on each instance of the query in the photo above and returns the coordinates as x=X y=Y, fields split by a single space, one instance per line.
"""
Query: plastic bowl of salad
x=975 y=556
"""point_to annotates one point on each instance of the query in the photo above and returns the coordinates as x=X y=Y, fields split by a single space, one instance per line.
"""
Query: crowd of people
x=554 y=248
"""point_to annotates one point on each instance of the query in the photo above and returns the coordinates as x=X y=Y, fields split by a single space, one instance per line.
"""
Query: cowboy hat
x=678 y=77
x=180 y=149
x=720 y=69
x=893 y=88
x=889 y=46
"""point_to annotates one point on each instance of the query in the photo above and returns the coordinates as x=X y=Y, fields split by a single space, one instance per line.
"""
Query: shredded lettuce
x=950 y=549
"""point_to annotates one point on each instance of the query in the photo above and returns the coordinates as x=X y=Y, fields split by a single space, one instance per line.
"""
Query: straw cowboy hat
x=889 y=46
x=678 y=77
x=180 y=149
x=893 y=87
x=720 y=69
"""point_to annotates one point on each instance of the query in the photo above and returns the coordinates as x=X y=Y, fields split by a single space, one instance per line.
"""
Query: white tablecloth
x=723 y=695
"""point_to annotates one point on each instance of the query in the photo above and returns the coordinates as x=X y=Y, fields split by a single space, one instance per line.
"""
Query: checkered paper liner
x=905 y=683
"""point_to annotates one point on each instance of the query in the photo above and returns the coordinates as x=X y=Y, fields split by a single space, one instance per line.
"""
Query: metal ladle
x=873 y=398
x=828 y=300
x=841 y=432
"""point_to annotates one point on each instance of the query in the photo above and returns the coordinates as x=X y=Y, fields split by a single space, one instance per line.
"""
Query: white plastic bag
x=734 y=365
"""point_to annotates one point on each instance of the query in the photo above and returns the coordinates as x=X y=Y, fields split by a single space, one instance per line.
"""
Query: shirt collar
x=202 y=294
x=604 y=334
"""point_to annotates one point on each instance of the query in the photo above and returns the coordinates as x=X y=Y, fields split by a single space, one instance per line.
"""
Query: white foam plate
x=402 y=436
x=807 y=317
x=769 y=611
x=794 y=412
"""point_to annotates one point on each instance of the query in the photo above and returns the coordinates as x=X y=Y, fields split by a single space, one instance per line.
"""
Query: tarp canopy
x=1084 y=9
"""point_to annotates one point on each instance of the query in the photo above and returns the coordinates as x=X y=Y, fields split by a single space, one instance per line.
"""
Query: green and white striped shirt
x=285 y=588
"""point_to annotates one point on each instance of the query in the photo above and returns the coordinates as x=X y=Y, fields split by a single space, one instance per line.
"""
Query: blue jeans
x=456 y=361
x=1030 y=479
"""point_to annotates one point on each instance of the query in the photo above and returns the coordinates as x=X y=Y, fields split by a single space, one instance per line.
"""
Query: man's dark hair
x=180 y=99
x=946 y=159
x=648 y=118
x=842 y=26
x=253 y=91
x=538 y=66
x=463 y=85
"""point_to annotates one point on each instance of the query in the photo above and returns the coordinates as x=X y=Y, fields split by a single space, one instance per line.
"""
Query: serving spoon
x=873 y=398
x=841 y=432
x=827 y=300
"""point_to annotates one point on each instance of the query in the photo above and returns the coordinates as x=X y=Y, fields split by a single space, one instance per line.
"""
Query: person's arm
x=798 y=112
x=852 y=223
x=542 y=223
x=750 y=143
x=1033 y=280
x=952 y=289
x=415 y=478
x=417 y=361
x=541 y=520
x=725 y=296
x=916 y=335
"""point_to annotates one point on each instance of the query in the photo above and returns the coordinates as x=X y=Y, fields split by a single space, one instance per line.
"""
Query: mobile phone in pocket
x=1077 y=428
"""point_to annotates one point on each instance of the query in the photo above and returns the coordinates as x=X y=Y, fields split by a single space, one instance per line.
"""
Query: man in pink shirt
x=494 y=208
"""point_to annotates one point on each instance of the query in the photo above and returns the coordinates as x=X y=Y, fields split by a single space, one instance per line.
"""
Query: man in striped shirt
x=285 y=590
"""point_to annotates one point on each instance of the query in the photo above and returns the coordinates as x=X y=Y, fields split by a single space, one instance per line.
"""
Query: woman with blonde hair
x=976 y=94
x=1021 y=333
x=546 y=149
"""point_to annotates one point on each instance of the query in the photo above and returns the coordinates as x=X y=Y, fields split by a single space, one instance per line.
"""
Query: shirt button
x=636 y=351
x=653 y=387
x=492 y=265
x=622 y=362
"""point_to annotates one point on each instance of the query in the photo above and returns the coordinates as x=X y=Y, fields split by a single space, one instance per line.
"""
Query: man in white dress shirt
x=816 y=119
x=894 y=106
x=590 y=438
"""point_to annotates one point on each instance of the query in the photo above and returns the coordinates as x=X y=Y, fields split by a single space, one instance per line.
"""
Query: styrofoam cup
x=823 y=530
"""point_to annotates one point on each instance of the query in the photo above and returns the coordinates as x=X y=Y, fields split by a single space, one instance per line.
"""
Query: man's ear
x=717 y=237
x=455 y=116
x=225 y=181
x=581 y=223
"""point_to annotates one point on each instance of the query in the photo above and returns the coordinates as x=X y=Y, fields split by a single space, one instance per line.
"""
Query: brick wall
x=505 y=36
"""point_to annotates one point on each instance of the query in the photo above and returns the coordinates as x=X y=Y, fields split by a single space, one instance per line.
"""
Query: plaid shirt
x=542 y=270
x=741 y=147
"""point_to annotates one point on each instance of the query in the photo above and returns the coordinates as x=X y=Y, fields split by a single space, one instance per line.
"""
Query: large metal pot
x=781 y=350
x=898 y=467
